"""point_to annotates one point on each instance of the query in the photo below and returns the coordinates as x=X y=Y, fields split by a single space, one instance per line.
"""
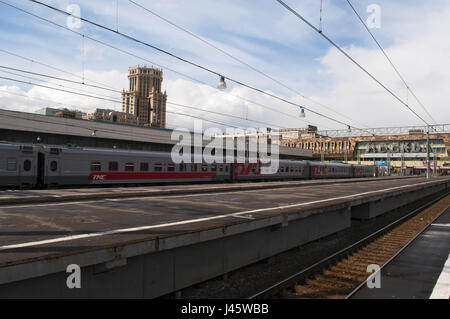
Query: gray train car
x=18 y=165
x=31 y=165
x=85 y=166
x=321 y=170
x=287 y=169
x=363 y=171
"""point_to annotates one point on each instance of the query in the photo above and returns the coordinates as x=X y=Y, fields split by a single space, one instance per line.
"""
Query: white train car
x=18 y=165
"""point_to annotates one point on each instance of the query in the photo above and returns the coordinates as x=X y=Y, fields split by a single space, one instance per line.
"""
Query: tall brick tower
x=144 y=98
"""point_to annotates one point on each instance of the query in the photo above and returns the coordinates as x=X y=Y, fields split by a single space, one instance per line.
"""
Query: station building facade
x=398 y=151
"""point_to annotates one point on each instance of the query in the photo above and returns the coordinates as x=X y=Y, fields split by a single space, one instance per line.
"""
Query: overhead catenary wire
x=183 y=114
x=147 y=60
x=44 y=64
x=168 y=102
x=97 y=129
x=39 y=99
x=56 y=84
x=192 y=34
x=346 y=55
x=117 y=91
x=60 y=79
x=62 y=90
x=188 y=61
x=408 y=88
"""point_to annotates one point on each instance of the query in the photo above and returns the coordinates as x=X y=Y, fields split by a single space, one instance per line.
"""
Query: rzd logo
x=319 y=171
x=246 y=169
x=98 y=177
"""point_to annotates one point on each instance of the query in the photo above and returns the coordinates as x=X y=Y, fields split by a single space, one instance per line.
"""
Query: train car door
x=27 y=166
x=53 y=166
x=40 y=167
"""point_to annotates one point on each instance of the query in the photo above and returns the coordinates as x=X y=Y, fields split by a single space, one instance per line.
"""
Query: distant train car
x=363 y=171
x=287 y=169
x=330 y=170
x=18 y=165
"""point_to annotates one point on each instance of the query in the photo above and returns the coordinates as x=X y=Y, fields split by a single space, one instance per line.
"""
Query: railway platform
x=421 y=271
x=149 y=246
x=17 y=196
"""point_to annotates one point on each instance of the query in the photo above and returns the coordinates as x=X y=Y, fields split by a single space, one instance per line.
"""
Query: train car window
x=213 y=168
x=54 y=151
x=171 y=167
x=183 y=167
x=129 y=167
x=113 y=166
x=158 y=168
x=226 y=168
x=95 y=166
x=26 y=165
x=27 y=149
x=53 y=166
x=11 y=164
x=204 y=168
x=194 y=167
x=220 y=168
x=144 y=167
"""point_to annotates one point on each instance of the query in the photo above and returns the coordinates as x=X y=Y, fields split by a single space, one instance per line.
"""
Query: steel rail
x=325 y=262
x=354 y=291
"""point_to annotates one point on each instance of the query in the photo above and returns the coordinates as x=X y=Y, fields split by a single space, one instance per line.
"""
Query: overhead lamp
x=222 y=85
x=302 y=113
x=349 y=129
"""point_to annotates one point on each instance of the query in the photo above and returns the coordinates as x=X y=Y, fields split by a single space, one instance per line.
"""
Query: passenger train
x=39 y=166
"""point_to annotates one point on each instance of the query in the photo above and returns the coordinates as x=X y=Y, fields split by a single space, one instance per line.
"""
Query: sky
x=260 y=33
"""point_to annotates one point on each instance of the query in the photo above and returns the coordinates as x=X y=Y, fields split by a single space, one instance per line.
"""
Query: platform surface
x=32 y=231
x=421 y=271
x=36 y=195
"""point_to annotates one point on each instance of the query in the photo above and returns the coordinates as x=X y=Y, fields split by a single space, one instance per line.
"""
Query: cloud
x=267 y=37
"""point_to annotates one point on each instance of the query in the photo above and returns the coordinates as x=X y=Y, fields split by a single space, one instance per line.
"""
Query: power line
x=60 y=85
x=62 y=90
x=94 y=86
x=60 y=79
x=39 y=99
x=390 y=61
x=170 y=103
x=96 y=129
x=238 y=59
x=41 y=63
x=347 y=55
x=187 y=61
x=183 y=114
x=144 y=59
x=213 y=112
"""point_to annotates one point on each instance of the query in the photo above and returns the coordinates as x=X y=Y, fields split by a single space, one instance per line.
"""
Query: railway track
x=342 y=274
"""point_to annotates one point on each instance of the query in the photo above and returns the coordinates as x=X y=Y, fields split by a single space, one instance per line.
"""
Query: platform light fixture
x=222 y=85
x=349 y=129
x=302 y=113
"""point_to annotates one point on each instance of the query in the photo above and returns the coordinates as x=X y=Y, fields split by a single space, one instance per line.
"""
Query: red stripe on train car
x=143 y=176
